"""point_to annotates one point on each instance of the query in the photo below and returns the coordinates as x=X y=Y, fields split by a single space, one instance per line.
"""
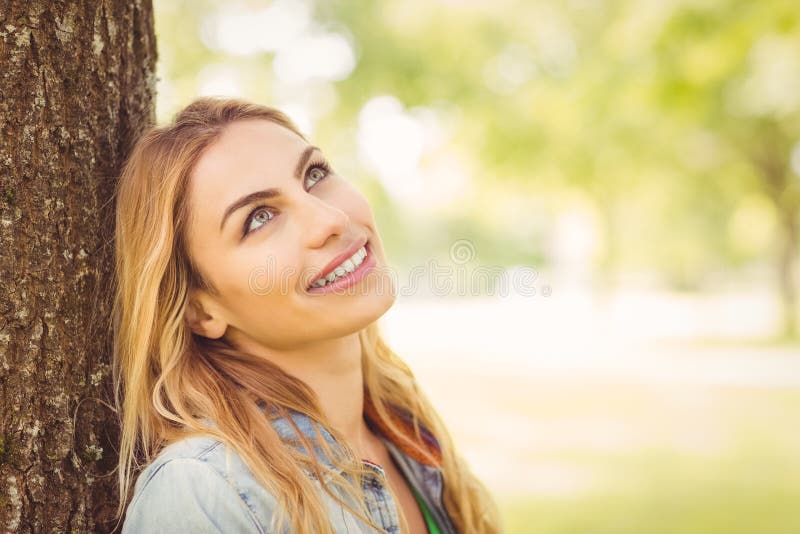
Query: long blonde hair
x=168 y=379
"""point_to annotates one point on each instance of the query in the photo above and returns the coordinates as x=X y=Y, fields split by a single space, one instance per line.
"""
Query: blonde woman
x=255 y=391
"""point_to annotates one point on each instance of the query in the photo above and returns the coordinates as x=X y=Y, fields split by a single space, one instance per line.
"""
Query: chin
x=367 y=312
x=376 y=305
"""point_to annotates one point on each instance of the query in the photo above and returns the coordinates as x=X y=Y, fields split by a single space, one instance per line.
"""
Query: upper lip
x=339 y=258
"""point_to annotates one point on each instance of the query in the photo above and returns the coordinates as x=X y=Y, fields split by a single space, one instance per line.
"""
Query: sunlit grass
x=754 y=490
x=746 y=479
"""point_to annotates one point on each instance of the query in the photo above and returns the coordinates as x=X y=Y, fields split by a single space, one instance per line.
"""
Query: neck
x=332 y=369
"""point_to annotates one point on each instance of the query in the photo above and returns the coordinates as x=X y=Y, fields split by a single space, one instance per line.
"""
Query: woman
x=251 y=379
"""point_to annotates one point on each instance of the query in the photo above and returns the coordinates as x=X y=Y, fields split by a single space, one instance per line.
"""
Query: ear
x=202 y=317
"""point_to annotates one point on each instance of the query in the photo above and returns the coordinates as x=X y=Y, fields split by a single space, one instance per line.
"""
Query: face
x=264 y=253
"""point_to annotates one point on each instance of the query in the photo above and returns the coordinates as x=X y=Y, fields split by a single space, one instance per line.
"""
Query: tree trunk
x=787 y=273
x=76 y=87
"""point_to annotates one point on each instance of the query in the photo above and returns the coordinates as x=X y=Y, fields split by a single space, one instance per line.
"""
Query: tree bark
x=76 y=88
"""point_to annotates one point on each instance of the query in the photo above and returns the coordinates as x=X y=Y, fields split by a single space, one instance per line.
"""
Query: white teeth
x=347 y=266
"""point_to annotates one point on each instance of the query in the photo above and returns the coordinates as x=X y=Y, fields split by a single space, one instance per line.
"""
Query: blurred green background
x=639 y=160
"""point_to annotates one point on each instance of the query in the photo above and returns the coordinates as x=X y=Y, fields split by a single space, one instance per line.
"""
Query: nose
x=321 y=220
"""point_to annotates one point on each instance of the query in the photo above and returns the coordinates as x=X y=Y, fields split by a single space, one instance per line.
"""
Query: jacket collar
x=307 y=426
x=426 y=478
x=288 y=435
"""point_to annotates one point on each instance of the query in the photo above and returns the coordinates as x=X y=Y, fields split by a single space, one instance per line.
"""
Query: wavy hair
x=167 y=379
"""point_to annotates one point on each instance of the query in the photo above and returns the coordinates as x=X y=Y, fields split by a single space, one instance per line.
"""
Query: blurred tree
x=734 y=68
x=77 y=86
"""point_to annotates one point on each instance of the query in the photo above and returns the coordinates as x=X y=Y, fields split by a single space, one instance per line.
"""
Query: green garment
x=433 y=528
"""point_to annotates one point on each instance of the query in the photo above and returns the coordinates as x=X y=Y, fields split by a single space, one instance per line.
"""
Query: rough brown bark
x=76 y=86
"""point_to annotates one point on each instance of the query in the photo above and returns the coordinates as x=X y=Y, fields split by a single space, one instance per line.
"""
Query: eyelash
x=321 y=164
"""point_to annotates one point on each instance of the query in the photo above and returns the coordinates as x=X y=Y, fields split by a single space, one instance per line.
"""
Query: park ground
x=641 y=412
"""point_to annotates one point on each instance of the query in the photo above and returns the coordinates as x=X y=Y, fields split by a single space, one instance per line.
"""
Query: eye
x=260 y=214
x=317 y=172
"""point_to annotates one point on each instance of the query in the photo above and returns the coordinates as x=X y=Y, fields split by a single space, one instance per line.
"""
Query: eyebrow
x=267 y=193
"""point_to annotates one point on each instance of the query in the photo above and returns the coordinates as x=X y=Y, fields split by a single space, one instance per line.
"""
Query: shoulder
x=197 y=485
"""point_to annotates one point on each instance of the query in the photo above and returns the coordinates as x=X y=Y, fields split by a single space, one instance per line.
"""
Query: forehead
x=248 y=155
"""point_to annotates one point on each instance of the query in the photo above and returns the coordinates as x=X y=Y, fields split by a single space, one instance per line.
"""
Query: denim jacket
x=198 y=485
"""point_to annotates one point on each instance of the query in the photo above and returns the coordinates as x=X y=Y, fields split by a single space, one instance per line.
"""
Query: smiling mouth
x=342 y=271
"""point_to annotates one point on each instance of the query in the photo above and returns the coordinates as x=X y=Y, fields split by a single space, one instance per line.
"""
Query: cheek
x=265 y=275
